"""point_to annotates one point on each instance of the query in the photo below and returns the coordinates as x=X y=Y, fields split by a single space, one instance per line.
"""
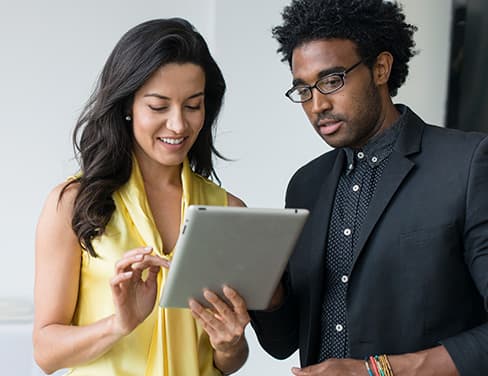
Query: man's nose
x=320 y=102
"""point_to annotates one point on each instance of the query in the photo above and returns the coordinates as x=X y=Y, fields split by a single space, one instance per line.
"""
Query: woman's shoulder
x=211 y=186
x=234 y=200
x=54 y=224
x=62 y=196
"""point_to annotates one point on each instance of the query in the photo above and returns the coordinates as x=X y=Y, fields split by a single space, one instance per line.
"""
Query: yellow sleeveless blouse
x=169 y=342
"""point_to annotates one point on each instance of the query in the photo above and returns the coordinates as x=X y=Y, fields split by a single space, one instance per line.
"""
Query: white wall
x=52 y=52
x=426 y=88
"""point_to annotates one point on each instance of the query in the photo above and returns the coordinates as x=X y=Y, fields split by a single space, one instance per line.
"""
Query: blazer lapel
x=395 y=172
x=315 y=241
x=322 y=211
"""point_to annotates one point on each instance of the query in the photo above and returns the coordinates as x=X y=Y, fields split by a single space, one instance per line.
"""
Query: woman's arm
x=57 y=343
x=225 y=325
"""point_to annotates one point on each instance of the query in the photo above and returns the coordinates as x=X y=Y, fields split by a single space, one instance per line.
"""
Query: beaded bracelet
x=374 y=366
x=378 y=365
x=385 y=364
x=367 y=367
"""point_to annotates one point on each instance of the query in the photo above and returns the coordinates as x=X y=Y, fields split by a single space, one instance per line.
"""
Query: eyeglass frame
x=341 y=74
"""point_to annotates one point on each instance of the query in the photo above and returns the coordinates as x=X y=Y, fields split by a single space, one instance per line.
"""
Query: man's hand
x=277 y=298
x=333 y=367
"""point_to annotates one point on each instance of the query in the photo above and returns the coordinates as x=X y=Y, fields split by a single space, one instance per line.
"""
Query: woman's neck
x=157 y=176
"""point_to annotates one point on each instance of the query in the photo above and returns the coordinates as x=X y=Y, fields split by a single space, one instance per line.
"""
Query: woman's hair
x=374 y=26
x=103 y=139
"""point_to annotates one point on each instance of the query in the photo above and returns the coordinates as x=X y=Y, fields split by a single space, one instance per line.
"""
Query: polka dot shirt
x=354 y=191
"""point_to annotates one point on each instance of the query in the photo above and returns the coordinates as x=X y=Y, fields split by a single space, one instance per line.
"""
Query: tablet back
x=244 y=248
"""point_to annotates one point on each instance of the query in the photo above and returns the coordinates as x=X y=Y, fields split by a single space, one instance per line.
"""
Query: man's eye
x=331 y=82
x=302 y=91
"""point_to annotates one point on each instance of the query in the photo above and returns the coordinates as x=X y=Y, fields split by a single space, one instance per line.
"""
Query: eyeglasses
x=325 y=85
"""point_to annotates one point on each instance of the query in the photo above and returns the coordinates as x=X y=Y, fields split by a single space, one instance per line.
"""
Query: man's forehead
x=326 y=49
x=312 y=57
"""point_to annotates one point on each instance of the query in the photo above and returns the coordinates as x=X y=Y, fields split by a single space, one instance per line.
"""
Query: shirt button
x=344 y=278
x=347 y=231
x=355 y=188
x=339 y=328
x=374 y=159
x=360 y=155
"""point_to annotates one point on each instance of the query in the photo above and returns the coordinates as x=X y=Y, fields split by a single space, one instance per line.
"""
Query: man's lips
x=328 y=127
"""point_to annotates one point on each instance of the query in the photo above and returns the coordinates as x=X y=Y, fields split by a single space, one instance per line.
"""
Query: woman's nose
x=176 y=121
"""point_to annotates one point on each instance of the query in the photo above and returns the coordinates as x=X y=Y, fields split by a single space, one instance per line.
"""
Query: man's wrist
x=277 y=298
x=434 y=361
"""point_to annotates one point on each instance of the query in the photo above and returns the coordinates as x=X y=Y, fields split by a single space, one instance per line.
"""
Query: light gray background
x=52 y=52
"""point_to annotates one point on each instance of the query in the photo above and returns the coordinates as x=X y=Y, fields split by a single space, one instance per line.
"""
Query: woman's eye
x=158 y=108
x=193 y=108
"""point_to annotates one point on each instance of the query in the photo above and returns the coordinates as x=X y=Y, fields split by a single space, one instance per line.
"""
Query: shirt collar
x=379 y=147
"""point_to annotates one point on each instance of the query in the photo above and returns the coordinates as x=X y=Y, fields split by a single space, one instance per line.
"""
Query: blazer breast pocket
x=436 y=257
x=437 y=238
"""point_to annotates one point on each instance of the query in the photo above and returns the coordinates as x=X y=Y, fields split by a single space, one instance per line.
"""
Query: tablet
x=244 y=248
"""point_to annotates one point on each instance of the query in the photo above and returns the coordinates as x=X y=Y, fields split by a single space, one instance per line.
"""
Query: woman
x=145 y=148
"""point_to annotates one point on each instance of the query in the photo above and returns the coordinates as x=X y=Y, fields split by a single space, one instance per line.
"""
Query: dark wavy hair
x=374 y=26
x=103 y=140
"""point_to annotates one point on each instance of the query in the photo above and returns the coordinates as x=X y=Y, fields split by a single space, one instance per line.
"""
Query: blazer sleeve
x=281 y=331
x=469 y=350
x=277 y=330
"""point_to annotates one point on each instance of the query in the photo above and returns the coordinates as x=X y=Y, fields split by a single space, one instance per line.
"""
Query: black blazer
x=420 y=270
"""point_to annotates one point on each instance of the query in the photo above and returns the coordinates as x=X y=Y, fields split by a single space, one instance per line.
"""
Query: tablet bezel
x=244 y=248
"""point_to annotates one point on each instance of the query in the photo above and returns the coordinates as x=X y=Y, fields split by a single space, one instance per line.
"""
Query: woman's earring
x=128 y=118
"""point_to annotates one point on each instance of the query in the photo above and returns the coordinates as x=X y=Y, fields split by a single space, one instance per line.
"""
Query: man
x=393 y=260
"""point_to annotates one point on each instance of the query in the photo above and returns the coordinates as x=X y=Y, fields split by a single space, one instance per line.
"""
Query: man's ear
x=382 y=68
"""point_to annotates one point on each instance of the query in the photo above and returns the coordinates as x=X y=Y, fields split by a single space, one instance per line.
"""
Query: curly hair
x=374 y=26
x=103 y=139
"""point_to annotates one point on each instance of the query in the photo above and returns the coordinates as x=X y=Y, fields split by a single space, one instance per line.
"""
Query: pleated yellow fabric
x=169 y=342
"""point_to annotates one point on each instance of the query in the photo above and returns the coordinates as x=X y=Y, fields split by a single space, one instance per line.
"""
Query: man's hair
x=374 y=26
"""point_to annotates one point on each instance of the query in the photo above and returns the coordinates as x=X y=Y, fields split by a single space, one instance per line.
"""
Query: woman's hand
x=224 y=322
x=134 y=297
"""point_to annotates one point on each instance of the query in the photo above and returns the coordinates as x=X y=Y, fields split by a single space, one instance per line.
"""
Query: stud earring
x=128 y=118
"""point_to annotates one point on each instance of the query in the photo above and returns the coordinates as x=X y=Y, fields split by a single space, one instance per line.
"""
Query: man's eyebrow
x=323 y=73
x=159 y=96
